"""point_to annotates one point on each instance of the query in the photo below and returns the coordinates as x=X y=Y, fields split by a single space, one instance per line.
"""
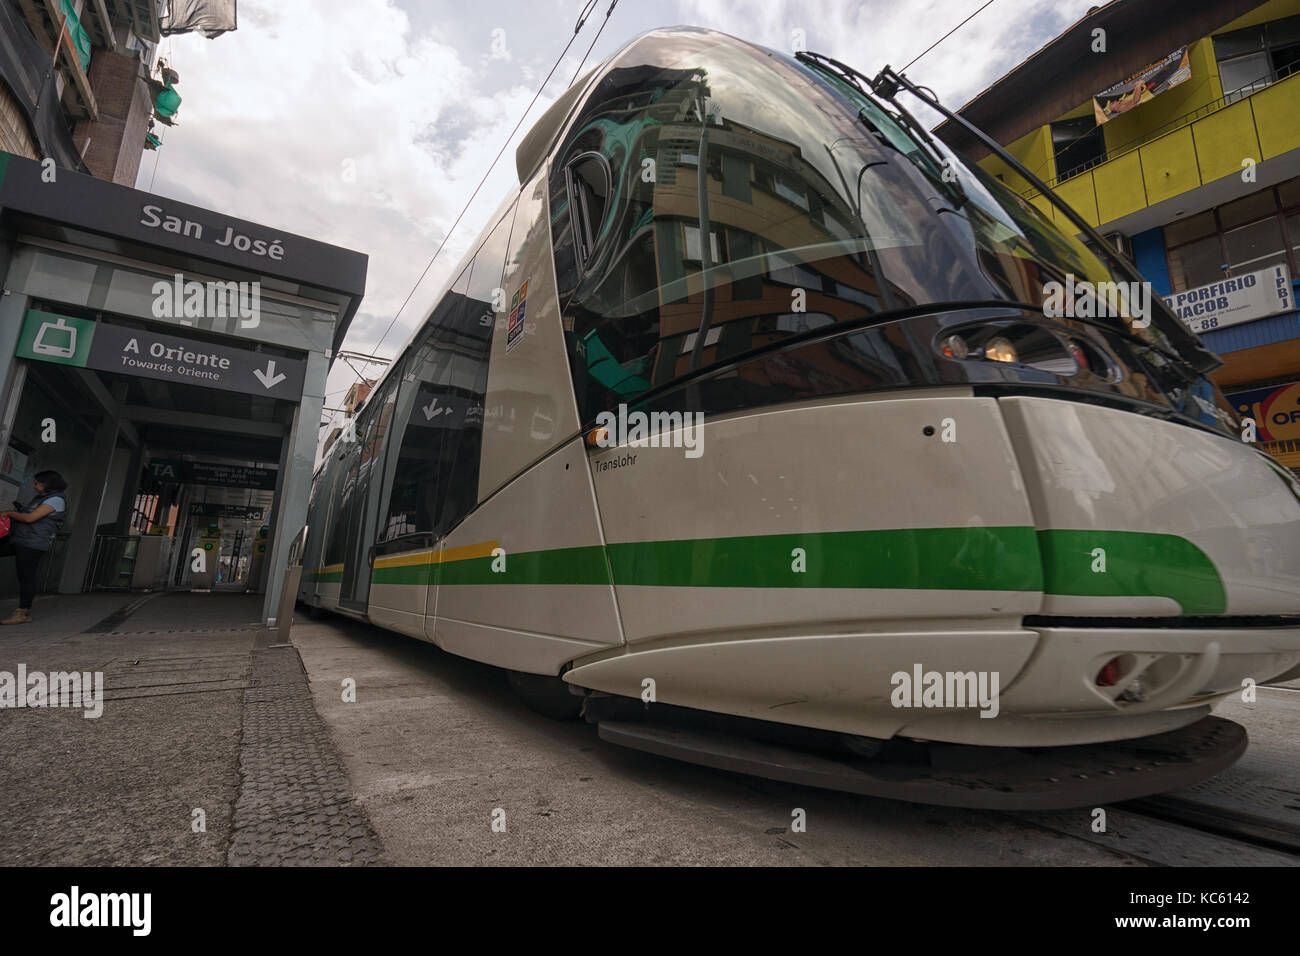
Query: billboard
x=1147 y=83
x=1276 y=410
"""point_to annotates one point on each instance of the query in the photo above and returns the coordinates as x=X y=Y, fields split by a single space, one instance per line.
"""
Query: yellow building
x=1173 y=128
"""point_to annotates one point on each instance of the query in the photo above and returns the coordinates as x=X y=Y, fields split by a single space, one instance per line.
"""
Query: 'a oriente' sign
x=64 y=340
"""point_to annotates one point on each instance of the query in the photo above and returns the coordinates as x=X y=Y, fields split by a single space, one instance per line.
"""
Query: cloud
x=368 y=125
x=337 y=120
x=867 y=36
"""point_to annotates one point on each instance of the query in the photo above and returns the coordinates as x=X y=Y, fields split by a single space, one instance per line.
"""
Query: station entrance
x=174 y=380
x=188 y=476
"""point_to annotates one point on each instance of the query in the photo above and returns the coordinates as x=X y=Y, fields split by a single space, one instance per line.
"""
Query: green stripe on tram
x=941 y=558
x=1014 y=558
x=949 y=559
x=1137 y=564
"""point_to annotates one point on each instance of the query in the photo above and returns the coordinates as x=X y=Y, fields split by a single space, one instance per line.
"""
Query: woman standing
x=31 y=533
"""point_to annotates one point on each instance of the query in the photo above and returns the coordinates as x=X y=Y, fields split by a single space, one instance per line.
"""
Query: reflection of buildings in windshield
x=787 y=253
x=751 y=200
x=778 y=235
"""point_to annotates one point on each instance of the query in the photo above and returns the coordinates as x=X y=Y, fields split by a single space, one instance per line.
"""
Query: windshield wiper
x=1189 y=347
x=917 y=134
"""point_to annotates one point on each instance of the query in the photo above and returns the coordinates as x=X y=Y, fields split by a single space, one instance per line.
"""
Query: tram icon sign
x=51 y=334
x=50 y=337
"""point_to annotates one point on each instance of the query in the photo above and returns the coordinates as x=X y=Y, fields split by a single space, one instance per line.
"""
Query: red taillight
x=1079 y=355
x=1109 y=674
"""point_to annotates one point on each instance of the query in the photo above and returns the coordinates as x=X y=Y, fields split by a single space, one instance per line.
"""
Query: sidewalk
x=208 y=750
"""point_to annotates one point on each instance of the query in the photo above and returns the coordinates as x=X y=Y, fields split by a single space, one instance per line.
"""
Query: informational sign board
x=1239 y=299
x=206 y=509
x=1276 y=410
x=47 y=337
x=162 y=470
x=166 y=469
x=231 y=476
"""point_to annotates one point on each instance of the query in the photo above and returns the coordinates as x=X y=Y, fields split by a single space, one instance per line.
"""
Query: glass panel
x=1283 y=32
x=1193 y=227
x=849 y=211
x=360 y=498
x=1252 y=244
x=435 y=476
x=420 y=467
x=1244 y=75
x=1285 y=60
x=1238 y=42
x=1077 y=144
x=1247 y=209
x=1195 y=264
x=1263 y=262
x=1289 y=193
x=469 y=344
x=332 y=534
x=1293 y=231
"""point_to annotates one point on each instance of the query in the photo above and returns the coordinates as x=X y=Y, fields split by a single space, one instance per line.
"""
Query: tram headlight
x=1001 y=350
x=954 y=347
x=1033 y=344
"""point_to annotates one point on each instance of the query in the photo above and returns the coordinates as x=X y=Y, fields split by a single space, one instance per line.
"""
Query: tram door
x=361 y=490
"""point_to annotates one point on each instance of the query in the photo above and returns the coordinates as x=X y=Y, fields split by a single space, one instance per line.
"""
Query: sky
x=368 y=123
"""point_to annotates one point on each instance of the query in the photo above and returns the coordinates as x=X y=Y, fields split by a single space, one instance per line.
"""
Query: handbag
x=4 y=526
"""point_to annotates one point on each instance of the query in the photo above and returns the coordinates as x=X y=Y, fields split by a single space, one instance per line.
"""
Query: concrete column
x=130 y=488
x=298 y=460
x=86 y=501
x=13 y=306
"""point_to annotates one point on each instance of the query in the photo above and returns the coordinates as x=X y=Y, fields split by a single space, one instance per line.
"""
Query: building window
x=1078 y=144
x=1251 y=58
x=1243 y=236
x=692 y=244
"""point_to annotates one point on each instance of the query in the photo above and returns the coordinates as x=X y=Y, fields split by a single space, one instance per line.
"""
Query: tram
x=752 y=427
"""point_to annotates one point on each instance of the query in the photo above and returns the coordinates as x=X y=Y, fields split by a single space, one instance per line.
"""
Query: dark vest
x=38 y=535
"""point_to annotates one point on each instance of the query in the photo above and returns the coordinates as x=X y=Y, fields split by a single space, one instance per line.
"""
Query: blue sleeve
x=57 y=503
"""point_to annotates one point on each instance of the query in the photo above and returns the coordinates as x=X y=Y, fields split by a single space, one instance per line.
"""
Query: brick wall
x=113 y=145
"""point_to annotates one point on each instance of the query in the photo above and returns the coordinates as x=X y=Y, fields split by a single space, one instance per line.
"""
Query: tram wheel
x=548 y=696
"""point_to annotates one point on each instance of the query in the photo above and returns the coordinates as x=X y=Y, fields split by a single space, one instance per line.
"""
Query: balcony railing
x=1247 y=90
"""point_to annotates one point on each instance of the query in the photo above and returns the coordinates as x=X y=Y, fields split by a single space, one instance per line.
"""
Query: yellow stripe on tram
x=466 y=552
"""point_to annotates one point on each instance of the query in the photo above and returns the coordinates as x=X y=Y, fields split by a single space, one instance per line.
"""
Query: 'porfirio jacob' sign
x=48 y=337
x=1239 y=299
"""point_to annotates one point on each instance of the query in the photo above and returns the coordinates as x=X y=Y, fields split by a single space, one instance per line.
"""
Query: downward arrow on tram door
x=269 y=378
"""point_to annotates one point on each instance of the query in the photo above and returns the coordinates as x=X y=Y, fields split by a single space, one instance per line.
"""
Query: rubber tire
x=548 y=696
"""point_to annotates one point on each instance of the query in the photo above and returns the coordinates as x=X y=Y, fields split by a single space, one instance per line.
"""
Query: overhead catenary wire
x=946 y=35
x=582 y=19
x=612 y=5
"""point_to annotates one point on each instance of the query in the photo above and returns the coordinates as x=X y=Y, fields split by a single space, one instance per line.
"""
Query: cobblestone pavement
x=201 y=712
x=294 y=804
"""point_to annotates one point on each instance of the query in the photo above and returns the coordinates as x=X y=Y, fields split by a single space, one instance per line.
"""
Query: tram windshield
x=711 y=199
